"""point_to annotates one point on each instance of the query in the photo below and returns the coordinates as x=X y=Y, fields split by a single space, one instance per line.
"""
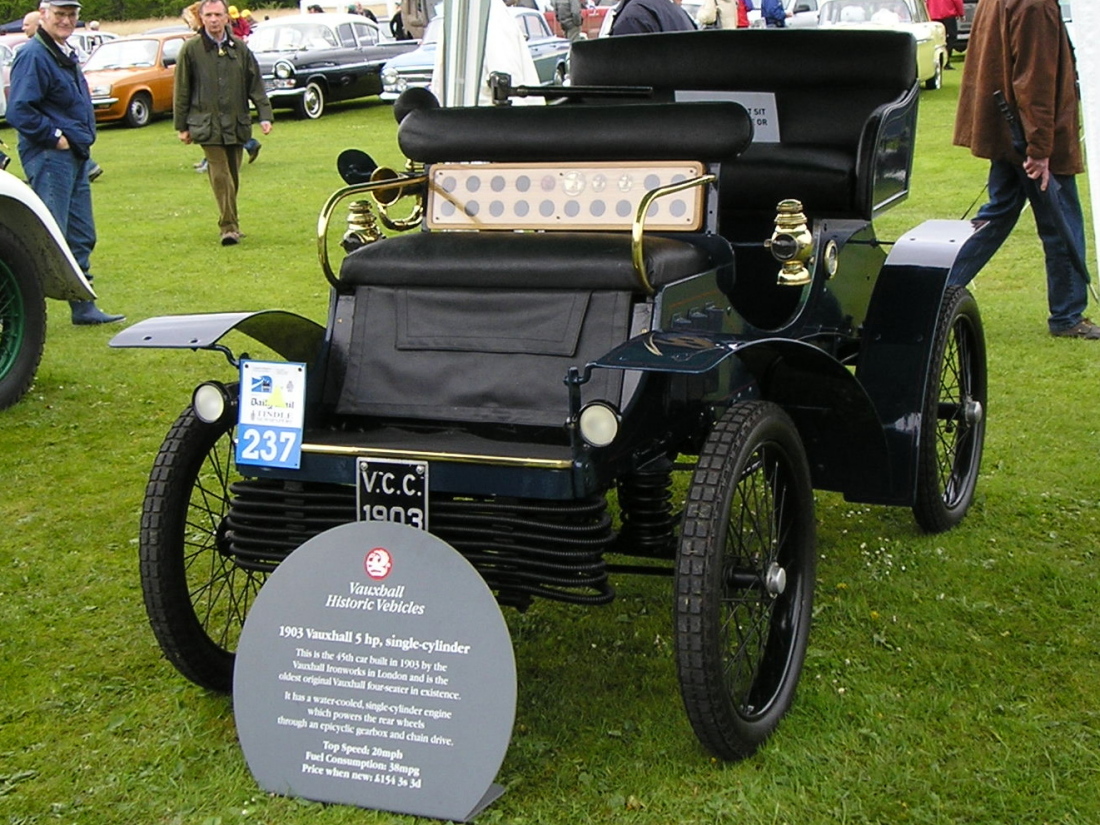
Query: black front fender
x=834 y=415
x=292 y=336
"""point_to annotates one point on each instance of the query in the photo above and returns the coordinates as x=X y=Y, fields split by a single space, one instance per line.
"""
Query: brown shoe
x=1082 y=329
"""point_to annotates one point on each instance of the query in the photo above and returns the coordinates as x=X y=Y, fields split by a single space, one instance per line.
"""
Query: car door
x=163 y=85
x=546 y=49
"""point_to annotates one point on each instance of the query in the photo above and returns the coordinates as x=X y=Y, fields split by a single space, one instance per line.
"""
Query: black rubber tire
x=139 y=111
x=195 y=594
x=741 y=634
x=311 y=105
x=22 y=318
x=952 y=432
x=936 y=80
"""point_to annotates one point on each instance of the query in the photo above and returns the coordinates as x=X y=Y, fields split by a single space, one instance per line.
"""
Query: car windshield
x=292 y=37
x=123 y=54
x=883 y=12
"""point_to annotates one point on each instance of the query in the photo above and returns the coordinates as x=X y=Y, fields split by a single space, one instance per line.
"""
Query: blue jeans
x=1067 y=295
x=60 y=179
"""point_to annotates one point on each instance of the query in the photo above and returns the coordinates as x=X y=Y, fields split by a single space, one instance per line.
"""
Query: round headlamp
x=283 y=70
x=599 y=423
x=210 y=401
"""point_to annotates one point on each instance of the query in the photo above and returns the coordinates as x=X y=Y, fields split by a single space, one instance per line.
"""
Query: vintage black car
x=617 y=327
x=310 y=59
x=35 y=264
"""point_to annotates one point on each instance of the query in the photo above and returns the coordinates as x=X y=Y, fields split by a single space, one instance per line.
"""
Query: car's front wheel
x=22 y=318
x=196 y=594
x=139 y=111
x=311 y=105
x=745 y=579
x=936 y=80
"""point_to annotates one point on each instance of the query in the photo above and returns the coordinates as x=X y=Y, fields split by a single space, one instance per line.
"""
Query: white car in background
x=898 y=15
x=800 y=14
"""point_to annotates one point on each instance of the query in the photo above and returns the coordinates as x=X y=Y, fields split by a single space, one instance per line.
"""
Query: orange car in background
x=132 y=79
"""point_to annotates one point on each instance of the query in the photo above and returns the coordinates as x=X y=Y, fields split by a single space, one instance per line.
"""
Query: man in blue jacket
x=49 y=105
x=775 y=16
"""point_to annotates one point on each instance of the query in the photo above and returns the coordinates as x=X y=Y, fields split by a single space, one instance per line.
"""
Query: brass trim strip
x=431 y=455
x=637 y=229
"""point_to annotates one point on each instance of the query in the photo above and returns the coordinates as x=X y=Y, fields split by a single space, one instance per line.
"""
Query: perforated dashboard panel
x=595 y=196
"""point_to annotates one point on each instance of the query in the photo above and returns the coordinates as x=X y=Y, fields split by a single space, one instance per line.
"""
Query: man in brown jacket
x=1020 y=48
x=216 y=76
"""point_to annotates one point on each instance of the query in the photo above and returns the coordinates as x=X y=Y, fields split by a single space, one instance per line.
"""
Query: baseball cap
x=75 y=3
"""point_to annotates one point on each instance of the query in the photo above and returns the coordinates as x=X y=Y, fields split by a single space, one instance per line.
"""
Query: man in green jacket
x=216 y=76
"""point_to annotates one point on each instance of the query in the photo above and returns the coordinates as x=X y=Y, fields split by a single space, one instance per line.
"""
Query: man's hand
x=1038 y=169
x=265 y=127
x=185 y=136
x=63 y=143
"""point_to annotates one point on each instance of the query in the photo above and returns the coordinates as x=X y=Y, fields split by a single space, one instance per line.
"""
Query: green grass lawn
x=950 y=678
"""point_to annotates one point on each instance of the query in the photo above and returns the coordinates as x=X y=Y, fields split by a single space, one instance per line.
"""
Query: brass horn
x=387 y=196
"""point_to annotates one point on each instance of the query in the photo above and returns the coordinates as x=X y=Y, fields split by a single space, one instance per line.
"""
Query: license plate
x=391 y=490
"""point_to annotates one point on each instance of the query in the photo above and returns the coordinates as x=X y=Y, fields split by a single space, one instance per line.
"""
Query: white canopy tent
x=1086 y=18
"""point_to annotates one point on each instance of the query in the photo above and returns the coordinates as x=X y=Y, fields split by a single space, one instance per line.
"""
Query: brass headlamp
x=792 y=244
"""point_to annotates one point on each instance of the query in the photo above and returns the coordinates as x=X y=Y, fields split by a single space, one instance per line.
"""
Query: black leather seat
x=846 y=103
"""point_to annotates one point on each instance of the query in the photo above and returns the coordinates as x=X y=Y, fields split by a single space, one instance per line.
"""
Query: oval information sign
x=375 y=669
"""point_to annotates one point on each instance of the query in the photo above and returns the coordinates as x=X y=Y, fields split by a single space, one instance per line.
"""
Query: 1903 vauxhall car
x=595 y=301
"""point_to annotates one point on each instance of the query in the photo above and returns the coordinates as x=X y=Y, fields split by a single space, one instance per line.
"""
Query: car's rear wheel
x=311 y=105
x=745 y=579
x=139 y=111
x=196 y=595
x=952 y=431
x=22 y=318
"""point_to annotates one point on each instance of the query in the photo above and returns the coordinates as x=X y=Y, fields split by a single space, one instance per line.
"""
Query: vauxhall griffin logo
x=378 y=563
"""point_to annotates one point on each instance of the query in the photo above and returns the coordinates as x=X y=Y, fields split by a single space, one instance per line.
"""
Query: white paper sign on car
x=269 y=431
x=760 y=106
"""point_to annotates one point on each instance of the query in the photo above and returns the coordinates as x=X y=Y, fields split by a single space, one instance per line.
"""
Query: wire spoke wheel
x=744 y=579
x=196 y=594
x=952 y=433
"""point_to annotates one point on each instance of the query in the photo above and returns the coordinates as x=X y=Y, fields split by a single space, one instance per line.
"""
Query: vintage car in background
x=549 y=52
x=310 y=59
x=800 y=14
x=132 y=79
x=35 y=264
x=592 y=17
x=900 y=15
x=86 y=41
x=599 y=341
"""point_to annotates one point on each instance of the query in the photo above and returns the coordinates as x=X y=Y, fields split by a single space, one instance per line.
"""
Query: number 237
x=267 y=445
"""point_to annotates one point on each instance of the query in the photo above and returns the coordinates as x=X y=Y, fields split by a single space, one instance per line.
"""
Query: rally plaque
x=375 y=669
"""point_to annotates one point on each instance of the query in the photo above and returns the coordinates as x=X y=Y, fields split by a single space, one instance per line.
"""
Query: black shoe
x=95 y=172
x=86 y=313
x=231 y=238
x=4 y=161
x=253 y=148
